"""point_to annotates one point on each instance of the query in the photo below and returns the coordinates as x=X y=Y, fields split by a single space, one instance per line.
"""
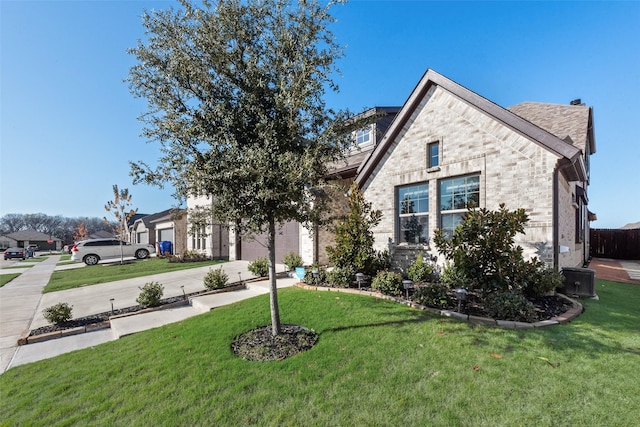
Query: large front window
x=413 y=213
x=457 y=195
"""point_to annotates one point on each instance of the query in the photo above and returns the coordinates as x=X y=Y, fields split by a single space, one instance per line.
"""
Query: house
x=449 y=148
x=222 y=242
x=26 y=238
x=165 y=226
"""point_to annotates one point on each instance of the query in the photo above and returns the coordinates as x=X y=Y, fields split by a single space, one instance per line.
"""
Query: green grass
x=377 y=363
x=19 y=266
x=102 y=273
x=35 y=259
x=6 y=278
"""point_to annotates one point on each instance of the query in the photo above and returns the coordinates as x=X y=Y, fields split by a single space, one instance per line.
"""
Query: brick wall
x=512 y=169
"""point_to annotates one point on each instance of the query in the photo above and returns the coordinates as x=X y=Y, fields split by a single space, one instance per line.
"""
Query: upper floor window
x=413 y=213
x=363 y=136
x=433 y=154
x=457 y=195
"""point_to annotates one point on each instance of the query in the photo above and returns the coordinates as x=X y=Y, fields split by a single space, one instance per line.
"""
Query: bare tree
x=119 y=208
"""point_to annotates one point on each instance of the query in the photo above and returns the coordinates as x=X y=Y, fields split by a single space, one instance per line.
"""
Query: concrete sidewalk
x=22 y=303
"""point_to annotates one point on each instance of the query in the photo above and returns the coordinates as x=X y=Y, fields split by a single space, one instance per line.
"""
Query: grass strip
x=103 y=273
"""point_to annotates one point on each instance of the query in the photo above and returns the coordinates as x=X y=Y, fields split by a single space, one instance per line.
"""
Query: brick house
x=169 y=225
x=422 y=163
x=449 y=146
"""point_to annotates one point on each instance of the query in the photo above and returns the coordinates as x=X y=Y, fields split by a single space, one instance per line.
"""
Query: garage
x=287 y=240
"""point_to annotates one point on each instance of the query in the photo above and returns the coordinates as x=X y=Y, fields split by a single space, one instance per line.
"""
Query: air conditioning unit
x=579 y=282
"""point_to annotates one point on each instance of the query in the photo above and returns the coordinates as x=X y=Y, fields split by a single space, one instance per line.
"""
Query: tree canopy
x=235 y=98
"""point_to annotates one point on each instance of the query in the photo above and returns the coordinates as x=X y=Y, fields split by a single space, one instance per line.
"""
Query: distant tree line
x=66 y=229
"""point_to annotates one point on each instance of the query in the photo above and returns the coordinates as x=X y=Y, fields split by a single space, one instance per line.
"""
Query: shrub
x=215 y=279
x=354 y=238
x=451 y=277
x=388 y=283
x=58 y=314
x=189 y=256
x=381 y=261
x=510 y=306
x=482 y=249
x=340 y=277
x=540 y=279
x=432 y=295
x=150 y=295
x=259 y=267
x=310 y=280
x=420 y=271
x=292 y=260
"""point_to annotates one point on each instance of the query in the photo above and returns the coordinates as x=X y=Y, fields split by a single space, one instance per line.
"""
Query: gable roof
x=147 y=220
x=572 y=163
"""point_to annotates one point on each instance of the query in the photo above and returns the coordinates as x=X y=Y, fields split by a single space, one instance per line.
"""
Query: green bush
x=451 y=277
x=322 y=276
x=539 y=279
x=259 y=267
x=388 y=283
x=58 y=314
x=485 y=256
x=189 y=256
x=150 y=295
x=292 y=260
x=340 y=277
x=432 y=295
x=420 y=270
x=353 y=236
x=510 y=306
x=215 y=279
x=381 y=261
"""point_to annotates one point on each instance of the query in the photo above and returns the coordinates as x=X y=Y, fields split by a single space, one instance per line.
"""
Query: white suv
x=93 y=250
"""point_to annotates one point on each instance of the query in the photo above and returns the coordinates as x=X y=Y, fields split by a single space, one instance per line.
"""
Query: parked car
x=15 y=253
x=94 y=250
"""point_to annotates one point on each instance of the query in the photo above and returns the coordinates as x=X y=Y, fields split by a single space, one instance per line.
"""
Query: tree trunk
x=273 y=289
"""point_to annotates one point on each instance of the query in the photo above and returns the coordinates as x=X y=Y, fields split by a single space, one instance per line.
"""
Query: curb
x=575 y=310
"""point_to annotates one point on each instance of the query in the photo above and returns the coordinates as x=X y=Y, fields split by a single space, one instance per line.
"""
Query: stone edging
x=575 y=310
x=25 y=338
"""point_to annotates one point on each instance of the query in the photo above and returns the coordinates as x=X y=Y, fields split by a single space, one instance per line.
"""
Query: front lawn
x=102 y=273
x=376 y=363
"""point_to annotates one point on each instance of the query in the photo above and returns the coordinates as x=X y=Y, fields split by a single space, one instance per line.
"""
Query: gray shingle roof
x=561 y=120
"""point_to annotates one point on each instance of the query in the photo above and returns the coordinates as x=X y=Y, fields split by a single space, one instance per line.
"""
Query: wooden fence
x=616 y=243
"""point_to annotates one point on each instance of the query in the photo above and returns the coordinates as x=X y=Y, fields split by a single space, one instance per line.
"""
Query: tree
x=354 y=238
x=235 y=97
x=119 y=209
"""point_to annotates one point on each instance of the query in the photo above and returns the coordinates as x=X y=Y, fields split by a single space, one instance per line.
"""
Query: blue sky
x=69 y=124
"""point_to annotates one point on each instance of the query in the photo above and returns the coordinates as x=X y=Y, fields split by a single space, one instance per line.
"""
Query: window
x=433 y=153
x=363 y=136
x=413 y=214
x=456 y=196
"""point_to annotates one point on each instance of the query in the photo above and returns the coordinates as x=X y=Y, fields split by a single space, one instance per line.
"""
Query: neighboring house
x=449 y=148
x=165 y=226
x=213 y=239
x=7 y=242
x=293 y=236
x=26 y=238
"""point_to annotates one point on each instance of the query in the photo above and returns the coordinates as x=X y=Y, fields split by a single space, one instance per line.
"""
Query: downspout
x=556 y=216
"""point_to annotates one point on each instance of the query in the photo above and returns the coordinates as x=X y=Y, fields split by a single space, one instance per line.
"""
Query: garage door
x=287 y=240
x=165 y=235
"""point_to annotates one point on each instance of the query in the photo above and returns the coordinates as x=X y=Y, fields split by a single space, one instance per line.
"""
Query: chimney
x=576 y=101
